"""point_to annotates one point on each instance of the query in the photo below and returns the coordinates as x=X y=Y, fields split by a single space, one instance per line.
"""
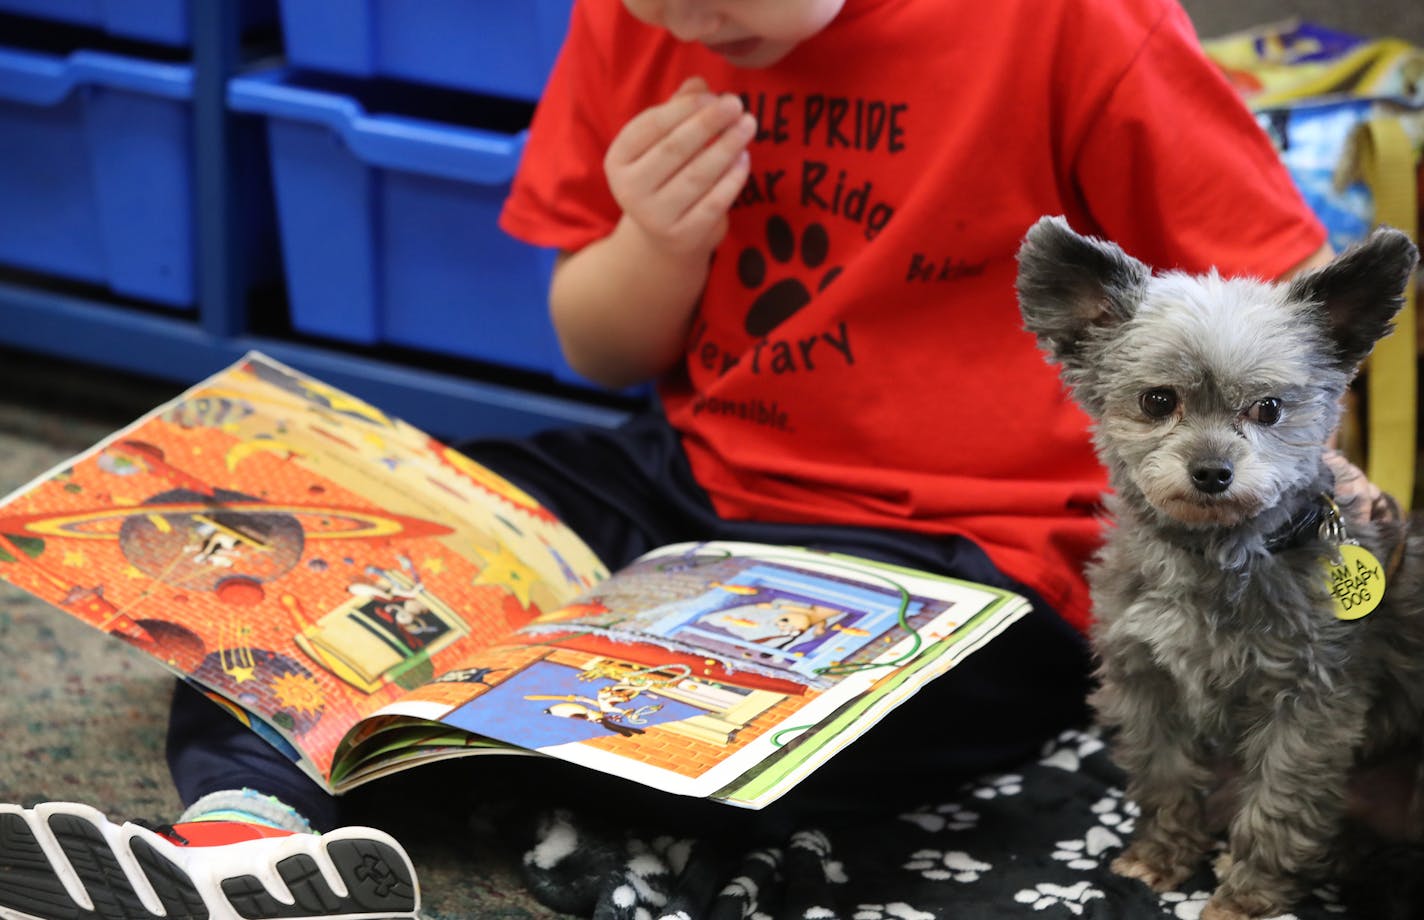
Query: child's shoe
x=62 y=861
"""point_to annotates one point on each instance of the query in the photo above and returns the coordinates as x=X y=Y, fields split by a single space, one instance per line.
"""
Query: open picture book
x=367 y=600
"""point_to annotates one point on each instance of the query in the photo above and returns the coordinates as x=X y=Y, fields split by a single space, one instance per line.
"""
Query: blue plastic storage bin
x=496 y=47
x=163 y=22
x=389 y=227
x=96 y=171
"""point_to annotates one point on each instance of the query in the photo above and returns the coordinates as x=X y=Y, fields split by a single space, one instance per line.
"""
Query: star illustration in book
x=507 y=571
x=299 y=691
x=264 y=681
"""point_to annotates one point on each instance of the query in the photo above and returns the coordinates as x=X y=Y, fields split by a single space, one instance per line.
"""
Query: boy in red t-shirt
x=801 y=217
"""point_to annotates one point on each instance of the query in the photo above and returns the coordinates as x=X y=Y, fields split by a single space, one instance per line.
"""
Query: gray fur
x=1218 y=653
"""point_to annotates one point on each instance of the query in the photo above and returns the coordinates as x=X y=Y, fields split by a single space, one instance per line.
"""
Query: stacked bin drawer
x=163 y=22
x=96 y=154
x=394 y=131
x=492 y=47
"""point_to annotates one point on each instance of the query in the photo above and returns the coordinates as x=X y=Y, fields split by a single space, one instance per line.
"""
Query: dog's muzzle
x=1212 y=476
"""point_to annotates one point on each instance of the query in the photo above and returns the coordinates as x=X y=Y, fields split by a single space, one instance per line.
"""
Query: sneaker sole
x=64 y=861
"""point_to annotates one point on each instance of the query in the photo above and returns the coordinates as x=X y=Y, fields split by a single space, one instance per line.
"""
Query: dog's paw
x=1240 y=907
x=1222 y=865
x=1221 y=910
x=1157 y=877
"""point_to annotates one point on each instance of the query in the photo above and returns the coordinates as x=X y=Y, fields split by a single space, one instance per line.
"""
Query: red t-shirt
x=858 y=355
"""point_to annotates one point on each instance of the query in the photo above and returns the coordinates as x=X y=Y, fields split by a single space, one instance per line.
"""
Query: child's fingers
x=710 y=211
x=682 y=146
x=676 y=168
x=691 y=183
x=692 y=85
x=649 y=127
x=1356 y=494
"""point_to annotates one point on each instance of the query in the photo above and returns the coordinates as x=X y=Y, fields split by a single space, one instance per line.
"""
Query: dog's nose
x=1212 y=476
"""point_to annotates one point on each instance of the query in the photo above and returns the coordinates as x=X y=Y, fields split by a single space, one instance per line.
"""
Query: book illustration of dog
x=1223 y=642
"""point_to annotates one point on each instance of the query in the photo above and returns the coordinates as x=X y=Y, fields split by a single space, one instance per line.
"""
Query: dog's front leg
x=1296 y=768
x=1168 y=774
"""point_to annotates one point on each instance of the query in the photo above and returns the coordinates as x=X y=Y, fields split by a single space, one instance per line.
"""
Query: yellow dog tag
x=1355 y=581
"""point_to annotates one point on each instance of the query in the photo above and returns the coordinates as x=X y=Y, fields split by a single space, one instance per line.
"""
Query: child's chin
x=764 y=54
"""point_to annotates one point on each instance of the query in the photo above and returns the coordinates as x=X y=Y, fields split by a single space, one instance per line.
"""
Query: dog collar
x=1304 y=528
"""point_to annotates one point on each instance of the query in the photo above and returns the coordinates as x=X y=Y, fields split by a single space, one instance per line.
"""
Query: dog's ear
x=1359 y=292
x=1070 y=285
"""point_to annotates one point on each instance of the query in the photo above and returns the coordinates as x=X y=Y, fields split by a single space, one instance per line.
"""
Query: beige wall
x=1376 y=18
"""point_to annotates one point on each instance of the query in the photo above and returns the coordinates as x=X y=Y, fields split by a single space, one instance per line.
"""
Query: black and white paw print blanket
x=1035 y=842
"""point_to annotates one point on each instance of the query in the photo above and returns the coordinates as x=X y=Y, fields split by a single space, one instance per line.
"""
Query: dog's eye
x=1158 y=402
x=1265 y=411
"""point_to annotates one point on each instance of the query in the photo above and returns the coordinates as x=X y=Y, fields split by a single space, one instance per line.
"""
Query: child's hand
x=676 y=168
x=1361 y=501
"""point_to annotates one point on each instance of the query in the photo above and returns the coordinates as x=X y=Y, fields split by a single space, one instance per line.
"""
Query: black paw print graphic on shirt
x=782 y=298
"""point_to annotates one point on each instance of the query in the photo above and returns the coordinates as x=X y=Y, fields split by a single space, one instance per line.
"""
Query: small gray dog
x=1228 y=669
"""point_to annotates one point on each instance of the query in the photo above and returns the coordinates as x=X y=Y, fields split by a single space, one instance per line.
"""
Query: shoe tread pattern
x=30 y=885
x=375 y=875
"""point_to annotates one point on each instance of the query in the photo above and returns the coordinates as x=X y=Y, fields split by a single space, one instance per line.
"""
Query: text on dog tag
x=1355 y=582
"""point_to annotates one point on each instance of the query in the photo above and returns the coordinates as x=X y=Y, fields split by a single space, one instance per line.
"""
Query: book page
x=721 y=670
x=291 y=549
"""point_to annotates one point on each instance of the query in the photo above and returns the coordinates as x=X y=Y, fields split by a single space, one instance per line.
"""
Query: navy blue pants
x=629 y=490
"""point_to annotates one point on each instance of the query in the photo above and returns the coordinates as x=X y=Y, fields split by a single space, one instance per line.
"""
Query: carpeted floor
x=82 y=717
x=871 y=836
